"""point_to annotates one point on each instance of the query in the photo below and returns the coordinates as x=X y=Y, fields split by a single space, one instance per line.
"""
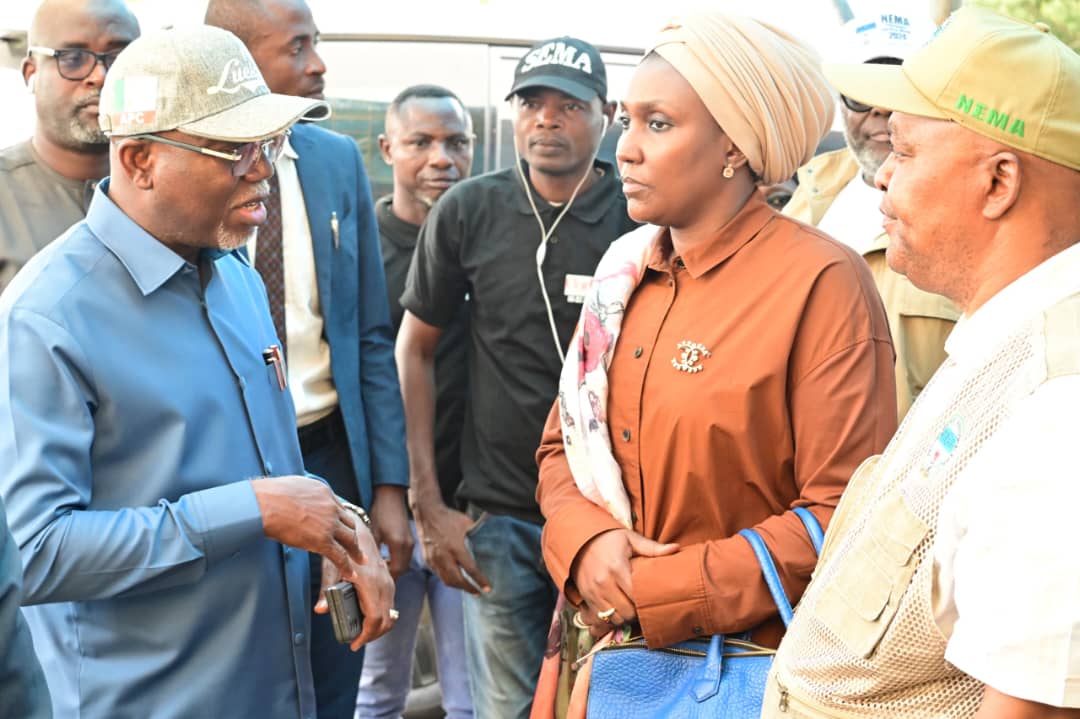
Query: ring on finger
x=579 y=621
x=394 y=614
x=606 y=615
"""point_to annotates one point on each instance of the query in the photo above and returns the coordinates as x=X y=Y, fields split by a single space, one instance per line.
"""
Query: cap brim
x=562 y=84
x=884 y=86
x=258 y=118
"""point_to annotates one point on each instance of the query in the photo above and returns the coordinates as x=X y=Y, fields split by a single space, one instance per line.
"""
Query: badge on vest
x=942 y=450
x=576 y=287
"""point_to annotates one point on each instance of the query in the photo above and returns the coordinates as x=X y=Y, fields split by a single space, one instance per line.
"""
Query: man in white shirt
x=949 y=584
x=836 y=193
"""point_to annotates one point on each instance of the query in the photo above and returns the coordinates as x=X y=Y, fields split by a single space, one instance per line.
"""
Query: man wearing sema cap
x=837 y=194
x=948 y=582
x=522 y=243
x=151 y=467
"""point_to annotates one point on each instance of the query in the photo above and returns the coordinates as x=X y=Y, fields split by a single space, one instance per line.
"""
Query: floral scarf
x=583 y=383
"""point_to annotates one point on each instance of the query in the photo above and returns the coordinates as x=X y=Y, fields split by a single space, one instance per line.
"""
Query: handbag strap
x=817 y=537
x=768 y=567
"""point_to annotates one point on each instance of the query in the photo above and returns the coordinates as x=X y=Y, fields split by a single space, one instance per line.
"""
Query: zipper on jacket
x=782 y=705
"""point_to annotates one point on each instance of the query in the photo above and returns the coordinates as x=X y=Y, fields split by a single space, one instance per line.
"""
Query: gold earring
x=729 y=171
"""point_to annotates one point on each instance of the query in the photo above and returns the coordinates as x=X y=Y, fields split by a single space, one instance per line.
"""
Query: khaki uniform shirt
x=37 y=205
x=787 y=403
x=919 y=321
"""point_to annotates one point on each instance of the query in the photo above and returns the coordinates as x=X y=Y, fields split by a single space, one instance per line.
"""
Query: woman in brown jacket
x=731 y=363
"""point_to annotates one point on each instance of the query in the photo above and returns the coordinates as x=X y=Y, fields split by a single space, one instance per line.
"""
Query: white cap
x=890 y=31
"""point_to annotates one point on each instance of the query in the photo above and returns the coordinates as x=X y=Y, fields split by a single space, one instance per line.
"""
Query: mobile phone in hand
x=345 y=612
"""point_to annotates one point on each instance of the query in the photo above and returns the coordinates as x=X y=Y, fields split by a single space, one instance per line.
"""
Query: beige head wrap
x=764 y=87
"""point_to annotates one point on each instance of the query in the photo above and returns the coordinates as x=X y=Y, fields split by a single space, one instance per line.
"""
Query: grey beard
x=87 y=136
x=76 y=136
x=865 y=156
x=73 y=133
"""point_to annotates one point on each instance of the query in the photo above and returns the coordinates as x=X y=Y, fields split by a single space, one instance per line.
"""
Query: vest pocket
x=859 y=604
x=851 y=501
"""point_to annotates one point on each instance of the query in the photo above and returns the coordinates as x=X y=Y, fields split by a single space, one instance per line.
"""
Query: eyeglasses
x=243 y=158
x=77 y=63
x=855 y=105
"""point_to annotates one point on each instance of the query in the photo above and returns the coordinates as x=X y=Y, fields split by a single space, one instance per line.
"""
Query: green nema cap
x=1011 y=81
x=200 y=80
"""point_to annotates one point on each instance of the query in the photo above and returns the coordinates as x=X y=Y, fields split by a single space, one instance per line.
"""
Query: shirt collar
x=589 y=206
x=1030 y=294
x=53 y=174
x=881 y=242
x=287 y=150
x=149 y=262
x=739 y=230
x=399 y=232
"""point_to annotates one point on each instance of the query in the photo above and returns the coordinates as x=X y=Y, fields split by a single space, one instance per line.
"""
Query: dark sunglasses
x=859 y=107
x=855 y=105
x=243 y=157
x=77 y=63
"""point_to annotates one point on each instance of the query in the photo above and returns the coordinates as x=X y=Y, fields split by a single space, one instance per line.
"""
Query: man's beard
x=87 y=136
x=869 y=160
x=77 y=134
x=226 y=239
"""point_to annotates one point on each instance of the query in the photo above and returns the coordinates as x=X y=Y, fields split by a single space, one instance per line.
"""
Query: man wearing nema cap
x=522 y=244
x=948 y=585
x=836 y=193
x=151 y=468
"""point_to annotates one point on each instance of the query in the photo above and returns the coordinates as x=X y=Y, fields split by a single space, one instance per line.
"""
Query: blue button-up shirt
x=135 y=405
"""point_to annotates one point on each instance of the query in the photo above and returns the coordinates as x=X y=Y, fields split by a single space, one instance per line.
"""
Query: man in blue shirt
x=151 y=466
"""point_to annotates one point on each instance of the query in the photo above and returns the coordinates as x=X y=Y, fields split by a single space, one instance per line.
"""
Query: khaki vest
x=864 y=642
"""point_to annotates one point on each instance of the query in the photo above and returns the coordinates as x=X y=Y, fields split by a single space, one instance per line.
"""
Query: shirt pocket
x=272 y=377
x=859 y=604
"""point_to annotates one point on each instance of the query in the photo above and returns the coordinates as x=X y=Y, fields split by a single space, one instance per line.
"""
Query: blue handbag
x=721 y=677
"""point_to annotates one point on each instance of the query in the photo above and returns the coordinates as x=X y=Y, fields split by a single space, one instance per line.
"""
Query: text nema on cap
x=557 y=53
x=990 y=116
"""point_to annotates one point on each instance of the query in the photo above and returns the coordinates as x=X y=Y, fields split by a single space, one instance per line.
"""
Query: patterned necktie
x=269 y=261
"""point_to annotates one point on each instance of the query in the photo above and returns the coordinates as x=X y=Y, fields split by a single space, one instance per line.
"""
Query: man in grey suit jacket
x=319 y=257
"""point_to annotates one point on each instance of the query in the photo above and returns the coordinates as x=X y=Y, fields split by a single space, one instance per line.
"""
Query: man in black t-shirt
x=428 y=142
x=521 y=244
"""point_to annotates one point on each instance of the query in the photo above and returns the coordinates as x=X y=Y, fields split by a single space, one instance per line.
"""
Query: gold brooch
x=692 y=353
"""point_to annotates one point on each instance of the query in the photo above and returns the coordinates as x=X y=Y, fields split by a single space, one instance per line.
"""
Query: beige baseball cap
x=201 y=80
x=1011 y=81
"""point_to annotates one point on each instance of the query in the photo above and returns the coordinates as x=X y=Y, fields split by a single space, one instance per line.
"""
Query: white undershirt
x=854 y=217
x=310 y=380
